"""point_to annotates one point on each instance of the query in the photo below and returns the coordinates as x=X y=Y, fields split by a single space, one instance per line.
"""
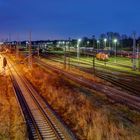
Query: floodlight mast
x=105 y=41
x=78 y=49
x=115 y=42
x=98 y=46
x=134 y=51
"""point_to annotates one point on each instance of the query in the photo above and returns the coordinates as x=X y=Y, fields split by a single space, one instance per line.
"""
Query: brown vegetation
x=86 y=120
x=108 y=121
x=12 y=126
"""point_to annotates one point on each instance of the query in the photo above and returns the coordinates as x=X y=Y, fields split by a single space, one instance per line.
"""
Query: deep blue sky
x=50 y=19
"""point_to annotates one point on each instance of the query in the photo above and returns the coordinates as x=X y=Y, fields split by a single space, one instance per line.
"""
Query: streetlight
x=98 y=43
x=115 y=42
x=105 y=40
x=88 y=42
x=78 y=49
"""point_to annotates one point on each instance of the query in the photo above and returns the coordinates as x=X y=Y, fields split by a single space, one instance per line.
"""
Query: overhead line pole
x=139 y=57
x=17 y=47
x=94 y=55
x=10 y=40
x=30 y=51
x=134 y=51
x=69 y=53
x=65 y=59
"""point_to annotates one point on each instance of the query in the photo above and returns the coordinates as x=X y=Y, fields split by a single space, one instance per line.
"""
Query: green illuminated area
x=123 y=64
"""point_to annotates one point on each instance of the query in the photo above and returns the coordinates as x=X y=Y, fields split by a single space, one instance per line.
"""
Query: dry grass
x=85 y=120
x=75 y=71
x=12 y=126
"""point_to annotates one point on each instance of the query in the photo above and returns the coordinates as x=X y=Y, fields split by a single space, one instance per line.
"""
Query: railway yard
x=71 y=100
x=69 y=70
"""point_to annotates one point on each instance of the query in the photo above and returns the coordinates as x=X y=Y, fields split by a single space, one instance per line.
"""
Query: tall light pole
x=115 y=43
x=69 y=43
x=65 y=59
x=105 y=40
x=134 y=51
x=98 y=45
x=78 y=49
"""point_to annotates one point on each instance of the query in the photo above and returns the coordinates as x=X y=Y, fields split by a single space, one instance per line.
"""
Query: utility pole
x=30 y=51
x=17 y=47
x=98 y=46
x=10 y=40
x=134 y=51
x=38 y=51
x=93 y=60
x=78 y=50
x=69 y=53
x=138 y=57
x=64 y=55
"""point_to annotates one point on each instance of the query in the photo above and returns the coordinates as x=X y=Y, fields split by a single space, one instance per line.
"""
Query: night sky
x=60 y=19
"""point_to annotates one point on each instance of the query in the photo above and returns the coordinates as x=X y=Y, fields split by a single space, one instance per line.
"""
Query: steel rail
x=115 y=94
x=38 y=120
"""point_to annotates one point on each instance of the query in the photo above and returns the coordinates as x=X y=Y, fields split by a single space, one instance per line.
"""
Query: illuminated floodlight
x=79 y=40
x=115 y=40
x=98 y=41
x=105 y=40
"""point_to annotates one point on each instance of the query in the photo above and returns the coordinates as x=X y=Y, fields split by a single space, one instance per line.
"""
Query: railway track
x=89 y=62
x=42 y=121
x=115 y=94
x=110 y=78
x=124 y=85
